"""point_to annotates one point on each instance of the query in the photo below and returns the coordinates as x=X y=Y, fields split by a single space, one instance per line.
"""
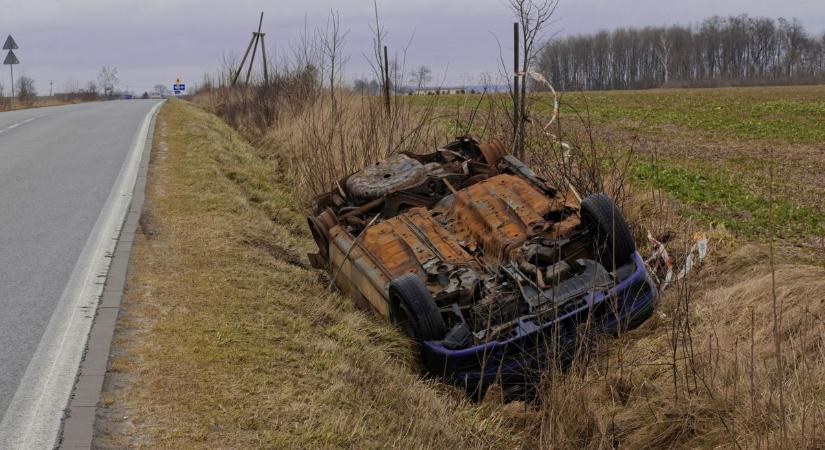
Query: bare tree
x=332 y=44
x=377 y=61
x=25 y=90
x=534 y=16
x=421 y=76
x=91 y=88
x=663 y=52
x=108 y=79
x=160 y=89
x=360 y=86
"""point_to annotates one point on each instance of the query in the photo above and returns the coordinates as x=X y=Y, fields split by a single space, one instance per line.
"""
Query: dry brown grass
x=703 y=375
x=38 y=102
x=227 y=340
x=323 y=137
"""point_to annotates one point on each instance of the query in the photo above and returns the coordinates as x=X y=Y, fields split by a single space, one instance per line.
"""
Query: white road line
x=10 y=127
x=32 y=420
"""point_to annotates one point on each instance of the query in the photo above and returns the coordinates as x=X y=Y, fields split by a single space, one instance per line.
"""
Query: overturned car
x=479 y=260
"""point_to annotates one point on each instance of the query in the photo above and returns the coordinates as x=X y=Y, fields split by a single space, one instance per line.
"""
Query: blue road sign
x=181 y=87
x=177 y=92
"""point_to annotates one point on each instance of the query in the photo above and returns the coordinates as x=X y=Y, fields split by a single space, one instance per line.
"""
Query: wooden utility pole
x=386 y=81
x=257 y=37
x=516 y=92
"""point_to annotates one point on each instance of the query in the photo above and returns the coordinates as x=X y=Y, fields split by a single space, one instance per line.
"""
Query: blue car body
x=624 y=306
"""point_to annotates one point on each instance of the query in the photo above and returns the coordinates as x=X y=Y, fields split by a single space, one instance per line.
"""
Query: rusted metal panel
x=500 y=213
x=357 y=273
x=492 y=151
x=565 y=227
x=406 y=242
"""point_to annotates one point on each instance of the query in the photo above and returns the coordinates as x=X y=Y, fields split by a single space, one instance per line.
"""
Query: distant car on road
x=491 y=270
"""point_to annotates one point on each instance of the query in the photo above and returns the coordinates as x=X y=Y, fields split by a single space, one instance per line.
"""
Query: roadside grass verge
x=228 y=340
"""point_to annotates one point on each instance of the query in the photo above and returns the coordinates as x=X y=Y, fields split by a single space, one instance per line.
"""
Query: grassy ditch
x=228 y=340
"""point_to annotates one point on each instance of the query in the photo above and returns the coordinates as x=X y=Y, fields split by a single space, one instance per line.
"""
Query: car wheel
x=413 y=309
x=613 y=244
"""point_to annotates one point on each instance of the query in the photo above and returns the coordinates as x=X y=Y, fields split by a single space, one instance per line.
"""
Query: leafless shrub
x=4 y=101
x=332 y=142
x=255 y=107
x=26 y=93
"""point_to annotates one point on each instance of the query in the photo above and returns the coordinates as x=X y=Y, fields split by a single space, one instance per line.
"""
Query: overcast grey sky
x=153 y=41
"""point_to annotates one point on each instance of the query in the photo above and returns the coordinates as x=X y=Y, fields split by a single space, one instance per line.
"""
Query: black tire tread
x=600 y=211
x=426 y=317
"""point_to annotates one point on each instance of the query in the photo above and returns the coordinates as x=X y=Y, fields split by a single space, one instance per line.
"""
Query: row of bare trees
x=719 y=51
x=106 y=85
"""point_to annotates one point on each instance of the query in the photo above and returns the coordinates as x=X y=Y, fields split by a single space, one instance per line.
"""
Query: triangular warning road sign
x=10 y=59
x=10 y=44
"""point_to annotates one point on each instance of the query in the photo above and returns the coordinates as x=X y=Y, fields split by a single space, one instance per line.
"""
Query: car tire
x=613 y=244
x=413 y=309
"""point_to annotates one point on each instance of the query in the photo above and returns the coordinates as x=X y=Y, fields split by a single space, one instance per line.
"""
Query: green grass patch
x=711 y=198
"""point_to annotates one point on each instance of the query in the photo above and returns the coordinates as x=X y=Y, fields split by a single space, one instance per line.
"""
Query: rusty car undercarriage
x=473 y=255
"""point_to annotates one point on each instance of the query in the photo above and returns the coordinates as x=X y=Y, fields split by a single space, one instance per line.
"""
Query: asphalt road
x=58 y=166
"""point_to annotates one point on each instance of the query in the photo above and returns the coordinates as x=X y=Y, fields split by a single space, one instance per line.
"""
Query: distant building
x=443 y=91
